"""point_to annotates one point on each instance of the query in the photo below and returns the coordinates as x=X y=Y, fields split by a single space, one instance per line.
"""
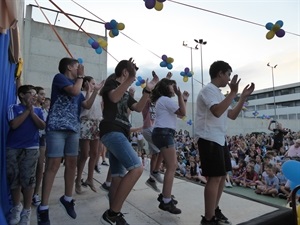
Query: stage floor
x=141 y=206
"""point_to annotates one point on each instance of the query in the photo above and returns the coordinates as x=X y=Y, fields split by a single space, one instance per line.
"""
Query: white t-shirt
x=207 y=126
x=95 y=112
x=165 y=109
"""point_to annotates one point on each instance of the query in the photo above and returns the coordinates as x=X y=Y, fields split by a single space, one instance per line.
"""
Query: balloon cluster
x=275 y=29
x=255 y=113
x=189 y=122
x=98 y=45
x=167 y=62
x=114 y=27
x=291 y=171
x=140 y=82
x=186 y=74
x=265 y=117
x=156 y=4
x=244 y=108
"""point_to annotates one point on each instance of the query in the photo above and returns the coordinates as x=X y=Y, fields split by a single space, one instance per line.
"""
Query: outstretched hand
x=185 y=95
x=97 y=87
x=131 y=68
x=150 y=85
x=177 y=90
x=234 y=84
x=248 y=90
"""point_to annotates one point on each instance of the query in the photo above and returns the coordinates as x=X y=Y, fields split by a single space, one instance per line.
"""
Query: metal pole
x=193 y=119
x=201 y=65
x=274 y=93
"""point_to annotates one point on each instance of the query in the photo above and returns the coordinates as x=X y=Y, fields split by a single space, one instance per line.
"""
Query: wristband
x=146 y=91
x=80 y=77
x=185 y=100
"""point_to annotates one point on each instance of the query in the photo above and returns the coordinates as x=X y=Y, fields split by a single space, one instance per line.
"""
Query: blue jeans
x=122 y=157
x=163 y=137
x=62 y=143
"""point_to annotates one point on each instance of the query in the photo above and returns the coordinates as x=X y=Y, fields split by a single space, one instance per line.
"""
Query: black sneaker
x=97 y=169
x=152 y=184
x=220 y=216
x=68 y=206
x=170 y=207
x=160 y=198
x=113 y=220
x=282 y=196
x=104 y=187
x=104 y=163
x=42 y=216
x=213 y=221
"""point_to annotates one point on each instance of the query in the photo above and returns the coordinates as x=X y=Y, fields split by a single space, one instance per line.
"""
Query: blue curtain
x=7 y=97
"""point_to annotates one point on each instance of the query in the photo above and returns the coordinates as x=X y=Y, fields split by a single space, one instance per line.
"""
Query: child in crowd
x=125 y=166
x=89 y=135
x=40 y=164
x=22 y=152
x=249 y=177
x=270 y=185
x=163 y=133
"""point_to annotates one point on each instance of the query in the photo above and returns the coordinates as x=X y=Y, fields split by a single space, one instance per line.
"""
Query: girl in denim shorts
x=163 y=133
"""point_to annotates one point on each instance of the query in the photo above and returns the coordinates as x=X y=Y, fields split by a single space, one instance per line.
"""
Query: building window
x=261 y=107
x=283 y=117
x=250 y=108
x=297 y=89
x=292 y=116
x=298 y=116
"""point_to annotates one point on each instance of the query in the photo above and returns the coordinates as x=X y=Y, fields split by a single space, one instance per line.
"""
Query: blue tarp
x=7 y=97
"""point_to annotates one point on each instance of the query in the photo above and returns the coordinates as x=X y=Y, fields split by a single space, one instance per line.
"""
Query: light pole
x=272 y=68
x=192 y=82
x=201 y=42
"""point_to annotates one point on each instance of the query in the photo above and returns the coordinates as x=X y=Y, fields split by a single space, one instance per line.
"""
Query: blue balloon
x=137 y=83
x=90 y=41
x=279 y=23
x=189 y=74
x=115 y=32
x=182 y=73
x=98 y=50
x=269 y=26
x=293 y=185
x=291 y=170
x=163 y=64
x=80 y=60
x=113 y=24
x=169 y=66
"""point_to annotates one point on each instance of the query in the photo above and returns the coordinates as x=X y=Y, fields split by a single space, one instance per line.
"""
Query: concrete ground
x=141 y=206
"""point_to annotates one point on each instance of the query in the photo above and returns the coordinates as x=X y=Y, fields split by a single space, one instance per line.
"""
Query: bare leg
x=92 y=161
x=82 y=157
x=39 y=170
x=16 y=196
x=70 y=169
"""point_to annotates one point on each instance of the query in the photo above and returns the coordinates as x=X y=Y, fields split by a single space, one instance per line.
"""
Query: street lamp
x=192 y=48
x=273 y=67
x=201 y=42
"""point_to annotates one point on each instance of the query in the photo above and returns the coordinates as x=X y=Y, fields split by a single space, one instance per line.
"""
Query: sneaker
x=152 y=184
x=25 y=217
x=42 y=216
x=157 y=177
x=115 y=220
x=104 y=187
x=213 y=221
x=68 y=206
x=160 y=198
x=104 y=163
x=15 y=213
x=36 y=200
x=220 y=216
x=97 y=169
x=282 y=196
x=170 y=207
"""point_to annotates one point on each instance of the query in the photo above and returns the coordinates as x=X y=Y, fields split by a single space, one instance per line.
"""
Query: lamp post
x=192 y=83
x=201 y=42
x=272 y=68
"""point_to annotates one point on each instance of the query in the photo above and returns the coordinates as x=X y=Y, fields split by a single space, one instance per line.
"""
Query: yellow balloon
x=270 y=35
x=185 y=78
x=170 y=60
x=120 y=26
x=111 y=34
x=275 y=28
x=158 y=6
x=143 y=85
x=103 y=44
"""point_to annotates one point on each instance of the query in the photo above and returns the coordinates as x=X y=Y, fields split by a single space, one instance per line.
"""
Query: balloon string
x=78 y=26
x=58 y=36
x=120 y=32
x=221 y=14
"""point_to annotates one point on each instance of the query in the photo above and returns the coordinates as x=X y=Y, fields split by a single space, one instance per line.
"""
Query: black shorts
x=215 y=159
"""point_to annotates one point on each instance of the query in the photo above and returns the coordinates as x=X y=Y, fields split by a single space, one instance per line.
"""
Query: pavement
x=141 y=206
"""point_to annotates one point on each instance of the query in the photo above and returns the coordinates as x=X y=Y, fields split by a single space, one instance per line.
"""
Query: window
x=292 y=116
x=283 y=117
x=297 y=89
x=261 y=107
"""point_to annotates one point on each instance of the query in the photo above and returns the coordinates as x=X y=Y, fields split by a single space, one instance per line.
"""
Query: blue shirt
x=64 y=109
x=27 y=134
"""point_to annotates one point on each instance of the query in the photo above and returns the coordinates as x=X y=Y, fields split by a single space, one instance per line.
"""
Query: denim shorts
x=147 y=133
x=62 y=143
x=122 y=157
x=21 y=167
x=163 y=137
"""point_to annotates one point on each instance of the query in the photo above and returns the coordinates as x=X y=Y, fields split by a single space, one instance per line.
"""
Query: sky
x=155 y=33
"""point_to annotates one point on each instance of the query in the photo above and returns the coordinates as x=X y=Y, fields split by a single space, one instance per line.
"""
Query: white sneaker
x=15 y=212
x=25 y=217
x=228 y=184
x=36 y=200
x=157 y=177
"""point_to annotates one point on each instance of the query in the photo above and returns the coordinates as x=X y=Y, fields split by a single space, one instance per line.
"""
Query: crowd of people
x=84 y=119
